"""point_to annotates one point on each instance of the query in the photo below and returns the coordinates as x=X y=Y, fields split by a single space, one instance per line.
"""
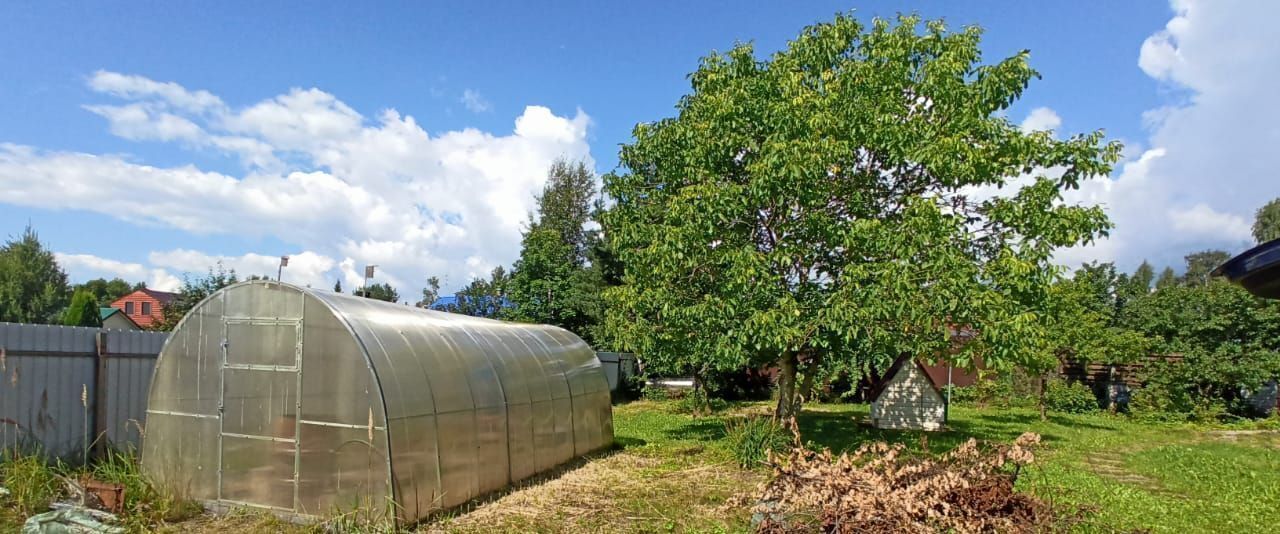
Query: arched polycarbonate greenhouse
x=311 y=402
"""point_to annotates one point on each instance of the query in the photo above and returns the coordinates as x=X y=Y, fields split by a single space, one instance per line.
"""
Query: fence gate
x=258 y=407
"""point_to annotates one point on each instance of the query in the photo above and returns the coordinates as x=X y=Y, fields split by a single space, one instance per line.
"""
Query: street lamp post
x=284 y=262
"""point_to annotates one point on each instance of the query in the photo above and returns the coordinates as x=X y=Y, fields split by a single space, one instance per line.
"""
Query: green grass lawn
x=1135 y=476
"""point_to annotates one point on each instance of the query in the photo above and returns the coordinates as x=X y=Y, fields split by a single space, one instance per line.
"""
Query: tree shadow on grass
x=1025 y=421
x=701 y=429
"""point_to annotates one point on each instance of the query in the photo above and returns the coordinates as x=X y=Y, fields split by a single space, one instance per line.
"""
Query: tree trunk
x=1043 y=384
x=806 y=385
x=698 y=388
x=786 y=386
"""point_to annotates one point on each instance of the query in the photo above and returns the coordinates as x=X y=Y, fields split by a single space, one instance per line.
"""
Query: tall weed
x=32 y=482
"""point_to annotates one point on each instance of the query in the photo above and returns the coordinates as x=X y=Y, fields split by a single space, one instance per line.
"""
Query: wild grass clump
x=751 y=439
x=145 y=503
x=880 y=489
x=32 y=482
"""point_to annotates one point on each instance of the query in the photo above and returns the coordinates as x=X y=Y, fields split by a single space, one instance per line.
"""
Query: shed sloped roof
x=879 y=387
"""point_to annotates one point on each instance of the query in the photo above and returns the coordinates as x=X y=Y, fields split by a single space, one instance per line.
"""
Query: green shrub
x=697 y=402
x=32 y=482
x=1154 y=404
x=653 y=392
x=1059 y=396
x=751 y=438
x=998 y=390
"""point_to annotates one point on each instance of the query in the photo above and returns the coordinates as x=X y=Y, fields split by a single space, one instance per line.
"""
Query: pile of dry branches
x=878 y=488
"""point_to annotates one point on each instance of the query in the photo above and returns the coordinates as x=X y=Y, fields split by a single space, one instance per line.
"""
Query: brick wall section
x=144 y=298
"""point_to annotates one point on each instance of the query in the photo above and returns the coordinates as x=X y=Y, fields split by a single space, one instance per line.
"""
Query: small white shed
x=907 y=399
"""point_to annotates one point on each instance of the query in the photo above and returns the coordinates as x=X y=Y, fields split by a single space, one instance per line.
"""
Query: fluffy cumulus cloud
x=1212 y=160
x=343 y=188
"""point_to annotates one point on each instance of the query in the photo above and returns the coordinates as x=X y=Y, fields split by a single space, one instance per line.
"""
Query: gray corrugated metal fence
x=61 y=386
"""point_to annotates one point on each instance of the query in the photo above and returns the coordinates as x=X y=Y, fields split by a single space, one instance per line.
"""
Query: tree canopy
x=483 y=297
x=1200 y=264
x=83 y=310
x=33 y=288
x=379 y=291
x=194 y=290
x=817 y=207
x=1266 y=222
x=105 y=291
x=552 y=282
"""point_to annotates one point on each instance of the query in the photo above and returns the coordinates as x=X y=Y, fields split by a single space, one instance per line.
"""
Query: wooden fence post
x=100 y=394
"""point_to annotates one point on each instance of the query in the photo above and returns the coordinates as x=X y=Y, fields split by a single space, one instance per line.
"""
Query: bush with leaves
x=1001 y=390
x=1229 y=341
x=1069 y=397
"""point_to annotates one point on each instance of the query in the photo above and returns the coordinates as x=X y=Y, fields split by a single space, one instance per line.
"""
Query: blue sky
x=466 y=73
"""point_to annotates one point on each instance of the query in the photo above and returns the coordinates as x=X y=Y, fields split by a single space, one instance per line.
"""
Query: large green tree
x=1167 y=278
x=83 y=310
x=1143 y=277
x=552 y=281
x=33 y=288
x=1200 y=264
x=815 y=207
x=195 y=289
x=1266 y=223
x=483 y=297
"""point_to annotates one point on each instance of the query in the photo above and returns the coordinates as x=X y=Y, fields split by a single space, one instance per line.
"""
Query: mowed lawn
x=674 y=472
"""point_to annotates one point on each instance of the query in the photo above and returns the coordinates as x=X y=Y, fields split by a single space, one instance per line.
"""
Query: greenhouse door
x=259 y=405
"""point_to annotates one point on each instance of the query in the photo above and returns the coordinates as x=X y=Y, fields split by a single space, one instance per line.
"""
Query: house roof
x=879 y=387
x=1257 y=269
x=104 y=313
x=164 y=297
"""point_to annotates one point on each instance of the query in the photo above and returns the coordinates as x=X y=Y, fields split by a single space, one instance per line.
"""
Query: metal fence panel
x=49 y=386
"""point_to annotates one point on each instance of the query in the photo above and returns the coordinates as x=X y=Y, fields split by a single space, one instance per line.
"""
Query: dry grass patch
x=629 y=491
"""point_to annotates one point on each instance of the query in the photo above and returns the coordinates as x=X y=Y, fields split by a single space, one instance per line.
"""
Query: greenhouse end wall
x=310 y=402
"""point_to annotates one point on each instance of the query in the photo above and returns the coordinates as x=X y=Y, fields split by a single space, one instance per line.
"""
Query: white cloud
x=1213 y=160
x=1041 y=119
x=138 y=87
x=319 y=176
x=305 y=268
x=81 y=267
x=475 y=103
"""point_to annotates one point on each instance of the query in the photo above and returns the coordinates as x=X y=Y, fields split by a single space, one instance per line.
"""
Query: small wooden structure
x=907 y=399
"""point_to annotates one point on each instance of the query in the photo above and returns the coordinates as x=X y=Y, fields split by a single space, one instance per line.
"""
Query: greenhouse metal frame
x=310 y=403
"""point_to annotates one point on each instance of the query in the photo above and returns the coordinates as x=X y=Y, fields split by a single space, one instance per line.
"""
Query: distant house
x=907 y=399
x=144 y=306
x=116 y=319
